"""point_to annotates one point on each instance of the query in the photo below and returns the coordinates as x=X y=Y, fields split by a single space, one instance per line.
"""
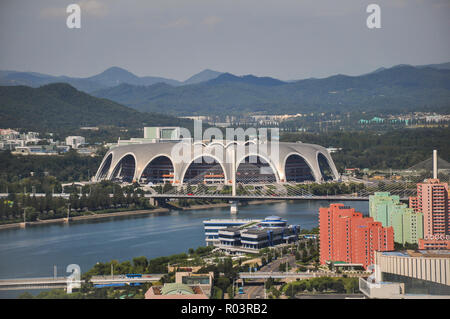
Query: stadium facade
x=255 y=163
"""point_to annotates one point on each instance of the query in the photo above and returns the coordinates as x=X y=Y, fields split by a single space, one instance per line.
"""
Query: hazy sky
x=286 y=39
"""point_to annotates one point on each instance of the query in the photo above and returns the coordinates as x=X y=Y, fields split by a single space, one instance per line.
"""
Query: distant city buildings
x=432 y=201
x=90 y=128
x=407 y=223
x=10 y=139
x=153 y=134
x=416 y=119
x=41 y=150
x=33 y=143
x=347 y=236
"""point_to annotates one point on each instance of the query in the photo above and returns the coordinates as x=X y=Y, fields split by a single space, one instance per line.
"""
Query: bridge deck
x=61 y=282
x=237 y=197
x=304 y=275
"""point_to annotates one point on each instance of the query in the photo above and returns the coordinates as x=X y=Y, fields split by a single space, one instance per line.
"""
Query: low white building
x=75 y=141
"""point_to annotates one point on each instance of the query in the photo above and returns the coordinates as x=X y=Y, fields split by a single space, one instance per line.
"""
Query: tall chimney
x=435 y=172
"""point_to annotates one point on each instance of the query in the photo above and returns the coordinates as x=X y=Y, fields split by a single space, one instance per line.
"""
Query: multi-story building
x=247 y=235
x=250 y=240
x=11 y=139
x=433 y=202
x=387 y=209
x=409 y=275
x=212 y=227
x=347 y=236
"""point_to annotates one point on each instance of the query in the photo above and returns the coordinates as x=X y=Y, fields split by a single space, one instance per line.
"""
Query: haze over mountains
x=109 y=78
x=400 y=88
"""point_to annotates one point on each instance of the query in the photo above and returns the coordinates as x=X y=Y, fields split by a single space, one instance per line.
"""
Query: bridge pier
x=234 y=207
x=154 y=202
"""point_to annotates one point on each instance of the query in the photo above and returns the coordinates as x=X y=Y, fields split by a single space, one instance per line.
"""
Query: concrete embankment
x=85 y=217
x=94 y=216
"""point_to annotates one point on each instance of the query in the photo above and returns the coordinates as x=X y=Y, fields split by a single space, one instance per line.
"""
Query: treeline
x=322 y=284
x=95 y=198
x=399 y=149
x=142 y=265
x=18 y=172
x=51 y=108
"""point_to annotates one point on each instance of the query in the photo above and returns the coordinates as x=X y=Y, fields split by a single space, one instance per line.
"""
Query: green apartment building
x=387 y=209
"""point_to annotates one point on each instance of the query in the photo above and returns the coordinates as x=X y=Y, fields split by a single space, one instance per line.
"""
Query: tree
x=217 y=293
x=351 y=285
x=140 y=264
x=269 y=283
x=223 y=283
x=167 y=188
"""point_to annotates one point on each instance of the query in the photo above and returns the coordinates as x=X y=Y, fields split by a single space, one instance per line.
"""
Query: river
x=33 y=252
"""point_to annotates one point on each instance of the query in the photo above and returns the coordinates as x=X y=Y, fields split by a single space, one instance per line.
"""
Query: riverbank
x=131 y=213
x=86 y=217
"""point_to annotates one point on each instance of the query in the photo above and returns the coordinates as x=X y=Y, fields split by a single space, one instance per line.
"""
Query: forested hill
x=399 y=149
x=397 y=89
x=60 y=106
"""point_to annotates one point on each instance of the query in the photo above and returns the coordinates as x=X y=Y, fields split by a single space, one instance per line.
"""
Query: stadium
x=205 y=163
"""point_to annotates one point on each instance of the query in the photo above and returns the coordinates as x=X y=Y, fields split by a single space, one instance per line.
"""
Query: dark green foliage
x=399 y=149
x=399 y=246
x=94 y=198
x=217 y=293
x=322 y=284
x=63 y=168
x=61 y=108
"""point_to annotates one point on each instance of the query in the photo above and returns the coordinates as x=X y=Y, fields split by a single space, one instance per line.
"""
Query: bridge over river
x=64 y=282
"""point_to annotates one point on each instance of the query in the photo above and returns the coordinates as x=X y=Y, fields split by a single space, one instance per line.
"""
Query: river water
x=33 y=252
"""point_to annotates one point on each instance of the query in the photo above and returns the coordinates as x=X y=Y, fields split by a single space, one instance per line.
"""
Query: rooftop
x=419 y=253
x=176 y=289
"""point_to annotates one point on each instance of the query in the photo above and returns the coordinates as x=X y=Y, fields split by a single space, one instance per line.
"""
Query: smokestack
x=435 y=174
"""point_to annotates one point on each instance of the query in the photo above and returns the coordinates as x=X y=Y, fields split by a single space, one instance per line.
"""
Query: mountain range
x=109 y=78
x=399 y=88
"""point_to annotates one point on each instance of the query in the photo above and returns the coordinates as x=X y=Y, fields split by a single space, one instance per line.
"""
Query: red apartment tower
x=347 y=236
x=433 y=202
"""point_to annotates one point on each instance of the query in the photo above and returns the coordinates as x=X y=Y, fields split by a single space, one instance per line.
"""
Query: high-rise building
x=347 y=236
x=433 y=202
x=387 y=209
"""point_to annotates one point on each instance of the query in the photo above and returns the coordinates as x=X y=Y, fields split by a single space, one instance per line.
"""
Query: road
x=256 y=290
